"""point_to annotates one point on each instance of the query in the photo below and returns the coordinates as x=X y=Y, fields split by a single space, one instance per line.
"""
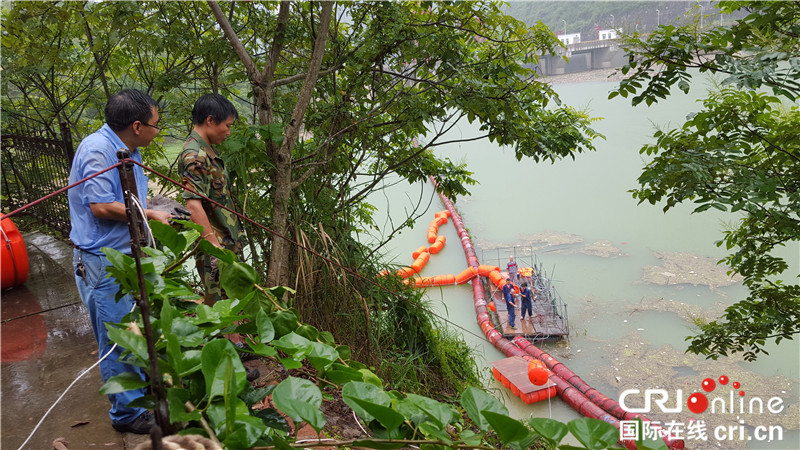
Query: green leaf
x=245 y=432
x=341 y=374
x=369 y=377
x=550 y=430
x=284 y=322
x=187 y=333
x=386 y=416
x=266 y=331
x=176 y=399
x=357 y=390
x=593 y=433
x=237 y=279
x=129 y=341
x=475 y=401
x=168 y=236
x=252 y=396
x=294 y=345
x=273 y=419
x=421 y=409
x=508 y=430
x=206 y=314
x=125 y=381
x=300 y=400
x=322 y=356
x=307 y=331
x=223 y=370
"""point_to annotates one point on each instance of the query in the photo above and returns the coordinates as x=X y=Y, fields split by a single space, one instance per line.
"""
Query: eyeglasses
x=158 y=128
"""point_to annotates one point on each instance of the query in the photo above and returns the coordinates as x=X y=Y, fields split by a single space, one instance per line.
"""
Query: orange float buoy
x=491 y=306
x=446 y=280
x=496 y=277
x=432 y=234
x=419 y=251
x=484 y=270
x=465 y=276
x=420 y=262
x=538 y=396
x=13 y=256
x=405 y=272
x=438 y=245
x=537 y=373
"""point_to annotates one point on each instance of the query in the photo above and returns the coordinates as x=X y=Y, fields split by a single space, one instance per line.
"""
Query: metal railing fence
x=32 y=167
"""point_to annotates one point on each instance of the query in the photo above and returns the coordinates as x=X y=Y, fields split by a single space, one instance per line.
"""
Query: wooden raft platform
x=545 y=323
x=513 y=373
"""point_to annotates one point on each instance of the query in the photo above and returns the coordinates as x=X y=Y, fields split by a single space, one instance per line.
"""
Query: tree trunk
x=278 y=271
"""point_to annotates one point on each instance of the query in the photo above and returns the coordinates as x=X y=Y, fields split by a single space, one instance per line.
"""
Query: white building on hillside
x=606 y=34
x=572 y=38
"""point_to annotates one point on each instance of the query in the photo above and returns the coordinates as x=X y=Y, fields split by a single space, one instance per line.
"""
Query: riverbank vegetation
x=334 y=97
x=739 y=153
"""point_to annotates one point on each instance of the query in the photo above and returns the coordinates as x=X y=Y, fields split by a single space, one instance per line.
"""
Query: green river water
x=626 y=332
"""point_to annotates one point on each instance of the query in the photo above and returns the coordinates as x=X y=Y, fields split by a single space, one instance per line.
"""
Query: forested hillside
x=588 y=17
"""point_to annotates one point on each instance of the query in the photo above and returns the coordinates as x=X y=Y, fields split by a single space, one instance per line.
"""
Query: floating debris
x=688 y=268
x=603 y=249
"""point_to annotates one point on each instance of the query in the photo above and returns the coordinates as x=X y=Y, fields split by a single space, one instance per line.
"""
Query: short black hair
x=128 y=106
x=214 y=105
x=524 y=284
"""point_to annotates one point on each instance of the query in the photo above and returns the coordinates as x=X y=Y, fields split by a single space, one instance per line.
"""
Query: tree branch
x=249 y=65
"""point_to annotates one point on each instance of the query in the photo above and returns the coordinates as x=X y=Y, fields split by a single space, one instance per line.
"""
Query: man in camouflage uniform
x=202 y=170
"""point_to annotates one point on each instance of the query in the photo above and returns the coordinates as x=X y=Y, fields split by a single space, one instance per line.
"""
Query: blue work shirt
x=96 y=152
x=526 y=294
x=507 y=288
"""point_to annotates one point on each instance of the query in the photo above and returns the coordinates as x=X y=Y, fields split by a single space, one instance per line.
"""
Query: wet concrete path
x=47 y=342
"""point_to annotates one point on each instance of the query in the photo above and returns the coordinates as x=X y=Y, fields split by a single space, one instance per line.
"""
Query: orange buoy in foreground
x=13 y=256
x=537 y=373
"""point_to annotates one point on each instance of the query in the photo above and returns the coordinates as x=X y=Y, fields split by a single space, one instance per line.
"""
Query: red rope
x=313 y=252
x=242 y=216
x=346 y=269
x=62 y=190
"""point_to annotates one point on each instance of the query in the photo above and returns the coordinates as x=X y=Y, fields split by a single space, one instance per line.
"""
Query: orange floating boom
x=588 y=406
x=419 y=251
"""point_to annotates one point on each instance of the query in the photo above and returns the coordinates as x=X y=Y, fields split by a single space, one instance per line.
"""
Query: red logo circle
x=709 y=385
x=723 y=379
x=697 y=403
x=736 y=385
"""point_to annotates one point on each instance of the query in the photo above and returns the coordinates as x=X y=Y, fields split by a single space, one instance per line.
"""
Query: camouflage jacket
x=206 y=174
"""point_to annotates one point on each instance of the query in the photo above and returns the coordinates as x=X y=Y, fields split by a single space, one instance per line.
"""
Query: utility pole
x=658 y=18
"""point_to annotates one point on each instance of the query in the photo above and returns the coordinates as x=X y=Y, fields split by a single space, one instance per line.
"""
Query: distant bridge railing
x=588 y=45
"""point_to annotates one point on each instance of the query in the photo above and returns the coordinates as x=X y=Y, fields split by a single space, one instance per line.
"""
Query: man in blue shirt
x=508 y=294
x=527 y=301
x=97 y=212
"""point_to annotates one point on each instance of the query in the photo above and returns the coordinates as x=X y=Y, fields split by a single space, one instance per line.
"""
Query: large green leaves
x=223 y=371
x=475 y=401
x=300 y=399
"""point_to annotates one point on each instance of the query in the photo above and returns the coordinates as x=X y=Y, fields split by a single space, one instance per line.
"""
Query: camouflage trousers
x=210 y=279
